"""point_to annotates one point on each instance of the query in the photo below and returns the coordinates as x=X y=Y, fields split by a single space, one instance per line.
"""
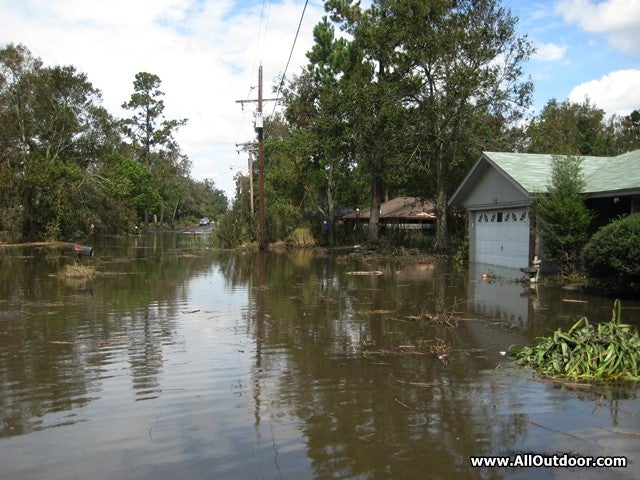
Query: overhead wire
x=293 y=46
x=263 y=27
x=260 y=46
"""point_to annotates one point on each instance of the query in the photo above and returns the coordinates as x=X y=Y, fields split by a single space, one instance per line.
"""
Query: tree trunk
x=376 y=198
x=442 y=168
x=331 y=235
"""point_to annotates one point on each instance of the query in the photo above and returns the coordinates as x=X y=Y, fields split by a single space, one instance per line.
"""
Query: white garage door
x=502 y=237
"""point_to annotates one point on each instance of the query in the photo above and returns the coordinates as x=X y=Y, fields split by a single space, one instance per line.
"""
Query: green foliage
x=147 y=128
x=53 y=135
x=153 y=143
x=281 y=219
x=64 y=171
x=612 y=256
x=569 y=128
x=563 y=219
x=628 y=132
x=201 y=199
x=404 y=102
x=609 y=351
x=237 y=227
x=132 y=181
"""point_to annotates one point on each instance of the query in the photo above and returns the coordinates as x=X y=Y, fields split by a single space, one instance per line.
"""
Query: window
x=499 y=217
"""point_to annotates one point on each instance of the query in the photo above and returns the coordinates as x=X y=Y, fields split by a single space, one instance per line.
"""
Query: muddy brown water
x=179 y=362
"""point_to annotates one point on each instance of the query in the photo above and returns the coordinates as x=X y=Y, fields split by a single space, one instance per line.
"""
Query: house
x=409 y=213
x=500 y=187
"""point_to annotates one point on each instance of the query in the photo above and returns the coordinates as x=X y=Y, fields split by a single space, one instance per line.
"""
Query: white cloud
x=615 y=93
x=205 y=52
x=619 y=20
x=550 y=52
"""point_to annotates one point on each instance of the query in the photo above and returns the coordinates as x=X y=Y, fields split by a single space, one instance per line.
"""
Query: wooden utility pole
x=262 y=243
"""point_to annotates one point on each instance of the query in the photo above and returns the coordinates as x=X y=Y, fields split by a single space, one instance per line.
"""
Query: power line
x=284 y=74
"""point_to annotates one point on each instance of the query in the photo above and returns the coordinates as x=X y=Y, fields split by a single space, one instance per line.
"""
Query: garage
x=501 y=237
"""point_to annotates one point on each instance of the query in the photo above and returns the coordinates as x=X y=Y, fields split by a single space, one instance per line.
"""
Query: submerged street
x=181 y=362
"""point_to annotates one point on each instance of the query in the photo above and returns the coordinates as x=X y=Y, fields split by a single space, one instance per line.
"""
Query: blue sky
x=207 y=54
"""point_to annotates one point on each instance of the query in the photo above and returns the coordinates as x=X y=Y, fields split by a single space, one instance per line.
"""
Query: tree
x=132 y=181
x=466 y=60
x=570 y=128
x=151 y=134
x=372 y=89
x=628 y=132
x=420 y=77
x=563 y=218
x=202 y=199
x=316 y=112
x=55 y=133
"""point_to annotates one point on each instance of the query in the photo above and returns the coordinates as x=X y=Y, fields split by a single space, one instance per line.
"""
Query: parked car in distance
x=204 y=221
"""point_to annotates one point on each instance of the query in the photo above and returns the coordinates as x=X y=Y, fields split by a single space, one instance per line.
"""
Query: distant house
x=500 y=187
x=409 y=213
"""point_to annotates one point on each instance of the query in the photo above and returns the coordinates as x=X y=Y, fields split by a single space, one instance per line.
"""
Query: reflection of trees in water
x=359 y=419
x=58 y=345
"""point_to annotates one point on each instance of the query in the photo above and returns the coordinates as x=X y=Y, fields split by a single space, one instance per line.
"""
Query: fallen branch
x=417 y=384
x=621 y=432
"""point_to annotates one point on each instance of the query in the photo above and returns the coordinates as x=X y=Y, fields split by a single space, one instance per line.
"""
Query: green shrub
x=612 y=257
x=234 y=229
x=281 y=219
x=608 y=351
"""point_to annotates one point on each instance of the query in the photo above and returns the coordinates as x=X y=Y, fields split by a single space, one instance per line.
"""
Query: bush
x=612 y=256
x=234 y=229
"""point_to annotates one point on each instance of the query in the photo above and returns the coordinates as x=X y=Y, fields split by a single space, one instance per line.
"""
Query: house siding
x=491 y=190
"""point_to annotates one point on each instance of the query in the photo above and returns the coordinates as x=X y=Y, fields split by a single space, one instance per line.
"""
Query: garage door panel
x=502 y=237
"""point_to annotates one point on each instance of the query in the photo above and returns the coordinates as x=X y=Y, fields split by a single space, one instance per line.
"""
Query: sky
x=207 y=53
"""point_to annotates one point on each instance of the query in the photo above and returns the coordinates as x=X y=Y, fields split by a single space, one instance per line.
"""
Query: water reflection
x=183 y=362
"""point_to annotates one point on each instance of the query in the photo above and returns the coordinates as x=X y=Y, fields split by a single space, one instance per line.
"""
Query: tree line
x=400 y=98
x=68 y=168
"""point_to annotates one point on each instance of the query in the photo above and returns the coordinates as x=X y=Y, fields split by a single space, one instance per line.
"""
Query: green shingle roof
x=602 y=174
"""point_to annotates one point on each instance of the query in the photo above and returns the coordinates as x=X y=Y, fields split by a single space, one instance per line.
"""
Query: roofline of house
x=476 y=165
x=613 y=193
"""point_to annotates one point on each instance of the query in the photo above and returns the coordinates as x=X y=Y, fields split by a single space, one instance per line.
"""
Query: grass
x=77 y=271
x=301 y=236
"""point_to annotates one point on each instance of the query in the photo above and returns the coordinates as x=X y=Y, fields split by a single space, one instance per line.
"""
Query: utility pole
x=262 y=244
x=250 y=147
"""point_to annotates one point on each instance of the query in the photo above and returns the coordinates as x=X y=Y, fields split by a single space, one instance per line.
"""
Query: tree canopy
x=65 y=169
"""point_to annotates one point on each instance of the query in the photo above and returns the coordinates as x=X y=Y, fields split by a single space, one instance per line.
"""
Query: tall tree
x=319 y=110
x=151 y=135
x=421 y=77
x=466 y=61
x=373 y=86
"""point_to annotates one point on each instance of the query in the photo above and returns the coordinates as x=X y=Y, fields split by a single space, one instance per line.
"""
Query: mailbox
x=82 y=251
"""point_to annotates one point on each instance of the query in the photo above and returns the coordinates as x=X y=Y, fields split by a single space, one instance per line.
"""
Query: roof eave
x=460 y=190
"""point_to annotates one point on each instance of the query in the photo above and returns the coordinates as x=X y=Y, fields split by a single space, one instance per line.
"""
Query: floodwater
x=179 y=362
